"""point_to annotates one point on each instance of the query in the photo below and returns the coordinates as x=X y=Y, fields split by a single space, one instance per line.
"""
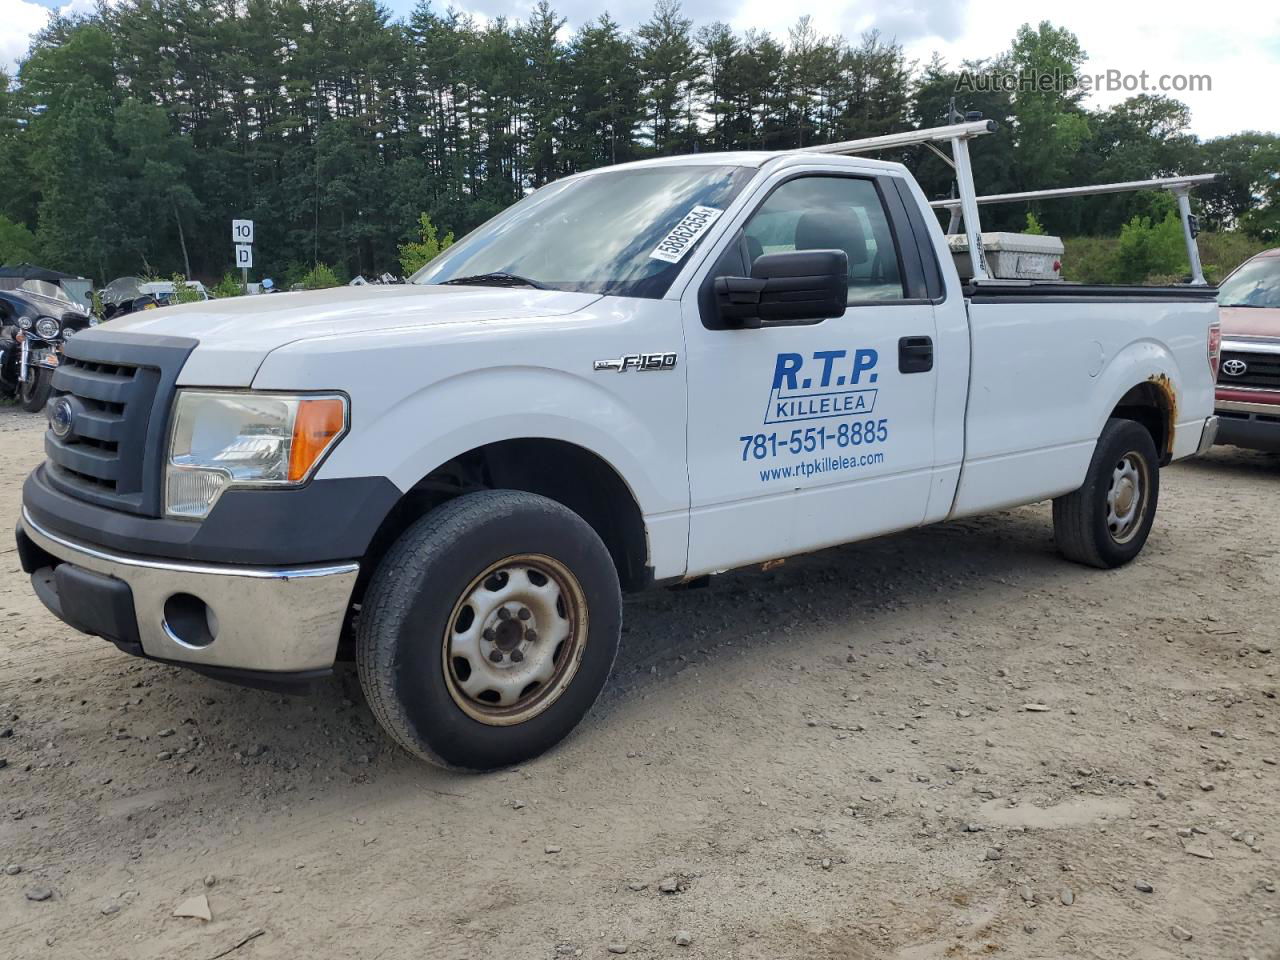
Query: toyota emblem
x=61 y=418
x=1234 y=367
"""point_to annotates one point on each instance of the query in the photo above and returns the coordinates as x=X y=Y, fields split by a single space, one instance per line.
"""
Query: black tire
x=1084 y=524
x=414 y=600
x=34 y=393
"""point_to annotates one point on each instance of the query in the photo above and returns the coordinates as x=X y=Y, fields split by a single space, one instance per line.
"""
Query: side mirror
x=795 y=287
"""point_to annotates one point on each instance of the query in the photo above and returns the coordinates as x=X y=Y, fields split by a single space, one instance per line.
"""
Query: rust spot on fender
x=1162 y=383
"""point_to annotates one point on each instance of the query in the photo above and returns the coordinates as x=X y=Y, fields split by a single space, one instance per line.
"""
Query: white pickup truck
x=633 y=377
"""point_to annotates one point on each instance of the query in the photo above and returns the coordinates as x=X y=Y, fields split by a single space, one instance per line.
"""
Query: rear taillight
x=1215 y=348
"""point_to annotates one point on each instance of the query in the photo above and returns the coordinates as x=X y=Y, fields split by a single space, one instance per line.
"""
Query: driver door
x=814 y=432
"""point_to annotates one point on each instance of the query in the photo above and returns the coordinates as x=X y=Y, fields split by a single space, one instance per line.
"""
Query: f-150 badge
x=638 y=361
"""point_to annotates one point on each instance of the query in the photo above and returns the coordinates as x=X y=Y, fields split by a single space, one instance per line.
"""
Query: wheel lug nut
x=504 y=613
x=495 y=656
x=489 y=635
x=516 y=656
x=524 y=613
x=531 y=635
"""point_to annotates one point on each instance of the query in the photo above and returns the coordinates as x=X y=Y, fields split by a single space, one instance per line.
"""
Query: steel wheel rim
x=1127 y=497
x=515 y=639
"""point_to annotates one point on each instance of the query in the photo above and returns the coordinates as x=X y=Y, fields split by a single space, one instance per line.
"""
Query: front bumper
x=218 y=618
x=1249 y=418
x=1251 y=431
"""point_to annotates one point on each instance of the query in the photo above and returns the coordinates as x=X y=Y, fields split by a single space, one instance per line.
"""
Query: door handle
x=915 y=354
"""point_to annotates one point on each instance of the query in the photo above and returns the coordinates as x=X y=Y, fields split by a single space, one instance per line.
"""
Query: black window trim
x=910 y=268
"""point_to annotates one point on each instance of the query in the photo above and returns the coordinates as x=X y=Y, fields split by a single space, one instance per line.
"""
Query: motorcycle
x=36 y=320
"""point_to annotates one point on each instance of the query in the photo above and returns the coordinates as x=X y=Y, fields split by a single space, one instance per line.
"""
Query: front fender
x=553 y=404
x=421 y=397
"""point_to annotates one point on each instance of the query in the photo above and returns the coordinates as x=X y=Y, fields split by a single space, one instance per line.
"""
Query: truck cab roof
x=753 y=159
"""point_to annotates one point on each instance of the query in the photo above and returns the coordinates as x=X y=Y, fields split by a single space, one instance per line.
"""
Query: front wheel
x=34 y=391
x=489 y=629
x=1106 y=522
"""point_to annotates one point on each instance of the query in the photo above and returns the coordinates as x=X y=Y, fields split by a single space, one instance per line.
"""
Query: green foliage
x=1220 y=253
x=416 y=254
x=184 y=292
x=319 y=277
x=1248 y=195
x=1146 y=249
x=1087 y=259
x=133 y=134
x=1033 y=226
x=1051 y=126
x=228 y=286
x=1097 y=259
x=17 y=243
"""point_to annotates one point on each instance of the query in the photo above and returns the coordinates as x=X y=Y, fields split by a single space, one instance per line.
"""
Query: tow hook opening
x=190 y=621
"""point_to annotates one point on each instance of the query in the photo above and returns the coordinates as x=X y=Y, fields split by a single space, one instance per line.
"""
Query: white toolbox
x=1011 y=256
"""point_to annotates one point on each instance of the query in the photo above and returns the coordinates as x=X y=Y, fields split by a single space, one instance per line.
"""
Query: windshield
x=122 y=288
x=624 y=233
x=1256 y=284
x=44 y=288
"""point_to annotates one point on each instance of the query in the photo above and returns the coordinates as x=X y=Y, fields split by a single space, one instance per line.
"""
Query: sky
x=1236 y=43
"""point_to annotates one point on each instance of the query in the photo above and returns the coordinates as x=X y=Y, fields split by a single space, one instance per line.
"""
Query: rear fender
x=1141 y=362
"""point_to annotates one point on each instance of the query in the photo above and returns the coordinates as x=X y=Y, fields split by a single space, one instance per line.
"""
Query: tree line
x=129 y=138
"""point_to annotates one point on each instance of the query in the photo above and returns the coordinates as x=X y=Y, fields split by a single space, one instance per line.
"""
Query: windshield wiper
x=498 y=279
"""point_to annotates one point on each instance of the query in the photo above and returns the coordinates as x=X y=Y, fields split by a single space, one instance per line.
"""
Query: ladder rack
x=964 y=208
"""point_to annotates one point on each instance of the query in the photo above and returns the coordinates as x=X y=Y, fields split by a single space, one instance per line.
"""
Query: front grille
x=1261 y=370
x=119 y=389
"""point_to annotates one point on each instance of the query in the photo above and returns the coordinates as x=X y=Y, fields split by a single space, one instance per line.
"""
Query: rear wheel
x=34 y=392
x=1106 y=522
x=489 y=629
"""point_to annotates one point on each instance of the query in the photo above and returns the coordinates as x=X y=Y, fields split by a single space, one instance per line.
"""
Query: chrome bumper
x=267 y=619
x=1208 y=435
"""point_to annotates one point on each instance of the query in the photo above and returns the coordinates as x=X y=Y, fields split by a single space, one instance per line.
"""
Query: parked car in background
x=132 y=294
x=1248 y=394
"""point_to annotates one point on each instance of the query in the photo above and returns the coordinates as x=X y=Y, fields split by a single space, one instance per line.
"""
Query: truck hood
x=1250 y=321
x=237 y=333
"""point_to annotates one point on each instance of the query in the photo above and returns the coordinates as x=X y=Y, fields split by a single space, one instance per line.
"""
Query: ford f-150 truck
x=635 y=376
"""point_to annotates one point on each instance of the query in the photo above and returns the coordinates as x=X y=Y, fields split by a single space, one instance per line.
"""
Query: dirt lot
x=832 y=760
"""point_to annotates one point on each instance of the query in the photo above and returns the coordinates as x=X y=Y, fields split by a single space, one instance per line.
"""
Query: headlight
x=24 y=323
x=47 y=328
x=224 y=439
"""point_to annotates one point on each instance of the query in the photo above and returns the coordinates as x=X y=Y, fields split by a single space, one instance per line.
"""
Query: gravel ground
x=947 y=743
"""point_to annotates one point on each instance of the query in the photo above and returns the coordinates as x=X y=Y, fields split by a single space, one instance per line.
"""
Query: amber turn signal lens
x=319 y=423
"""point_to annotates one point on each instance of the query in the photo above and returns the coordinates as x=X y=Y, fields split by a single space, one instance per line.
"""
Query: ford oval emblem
x=61 y=418
x=1234 y=367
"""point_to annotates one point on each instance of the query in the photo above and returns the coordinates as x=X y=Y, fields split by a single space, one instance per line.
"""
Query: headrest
x=828 y=230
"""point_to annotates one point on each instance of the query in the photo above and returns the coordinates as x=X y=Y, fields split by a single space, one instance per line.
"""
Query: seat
x=828 y=230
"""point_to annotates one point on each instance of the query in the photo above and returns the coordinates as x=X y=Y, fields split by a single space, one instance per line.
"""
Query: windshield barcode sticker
x=677 y=243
